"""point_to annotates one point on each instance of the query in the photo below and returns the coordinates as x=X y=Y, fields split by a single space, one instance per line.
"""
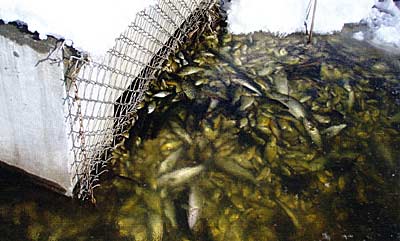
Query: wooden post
x=312 y=22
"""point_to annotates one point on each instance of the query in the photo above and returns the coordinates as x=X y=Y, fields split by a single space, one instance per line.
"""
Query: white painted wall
x=33 y=131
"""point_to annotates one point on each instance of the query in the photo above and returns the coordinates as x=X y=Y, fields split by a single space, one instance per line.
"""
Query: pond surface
x=244 y=137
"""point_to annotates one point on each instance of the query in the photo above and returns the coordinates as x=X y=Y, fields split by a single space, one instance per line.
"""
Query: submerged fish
x=169 y=163
x=180 y=176
x=246 y=84
x=195 y=206
x=313 y=132
x=156 y=227
x=281 y=83
x=235 y=170
x=294 y=106
x=169 y=212
x=189 y=71
x=333 y=130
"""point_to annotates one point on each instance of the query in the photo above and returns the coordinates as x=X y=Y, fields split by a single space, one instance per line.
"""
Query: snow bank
x=384 y=26
x=91 y=25
x=283 y=17
x=288 y=16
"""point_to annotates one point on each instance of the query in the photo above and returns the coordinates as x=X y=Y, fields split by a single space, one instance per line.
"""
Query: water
x=267 y=138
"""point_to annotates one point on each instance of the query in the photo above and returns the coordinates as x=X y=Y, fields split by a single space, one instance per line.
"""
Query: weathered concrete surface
x=33 y=130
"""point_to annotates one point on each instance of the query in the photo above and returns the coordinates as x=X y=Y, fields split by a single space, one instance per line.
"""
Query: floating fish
x=179 y=177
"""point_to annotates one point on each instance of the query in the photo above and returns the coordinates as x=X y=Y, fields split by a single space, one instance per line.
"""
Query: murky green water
x=245 y=137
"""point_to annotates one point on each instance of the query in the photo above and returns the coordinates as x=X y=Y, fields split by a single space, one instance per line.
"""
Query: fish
x=333 y=130
x=195 y=206
x=281 y=83
x=295 y=108
x=234 y=169
x=156 y=227
x=169 y=163
x=246 y=102
x=179 y=177
x=289 y=213
x=162 y=94
x=182 y=133
x=322 y=119
x=151 y=107
x=313 y=132
x=246 y=84
x=189 y=71
x=169 y=212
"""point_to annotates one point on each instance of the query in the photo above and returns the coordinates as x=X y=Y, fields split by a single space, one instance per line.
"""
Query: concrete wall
x=33 y=130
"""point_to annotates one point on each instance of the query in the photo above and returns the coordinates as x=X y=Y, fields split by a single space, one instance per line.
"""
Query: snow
x=283 y=17
x=288 y=16
x=384 y=26
x=91 y=25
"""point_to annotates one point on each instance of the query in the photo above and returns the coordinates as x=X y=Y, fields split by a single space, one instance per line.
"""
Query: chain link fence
x=102 y=98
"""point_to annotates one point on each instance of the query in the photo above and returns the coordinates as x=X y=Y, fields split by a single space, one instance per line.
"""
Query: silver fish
x=246 y=102
x=195 y=206
x=180 y=176
x=169 y=163
x=182 y=133
x=162 y=94
x=313 y=132
x=234 y=169
x=281 y=83
x=294 y=106
x=333 y=130
x=189 y=71
x=246 y=84
x=322 y=119
x=151 y=107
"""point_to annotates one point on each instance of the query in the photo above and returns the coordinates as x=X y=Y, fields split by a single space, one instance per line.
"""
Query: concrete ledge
x=33 y=128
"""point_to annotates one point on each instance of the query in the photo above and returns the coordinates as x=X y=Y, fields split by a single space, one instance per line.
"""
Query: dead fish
x=234 y=169
x=182 y=133
x=313 y=132
x=322 y=119
x=169 y=212
x=289 y=213
x=195 y=206
x=246 y=102
x=213 y=104
x=151 y=107
x=189 y=71
x=156 y=227
x=348 y=88
x=281 y=83
x=305 y=99
x=246 y=84
x=333 y=130
x=169 y=163
x=162 y=94
x=294 y=106
x=179 y=177
x=271 y=150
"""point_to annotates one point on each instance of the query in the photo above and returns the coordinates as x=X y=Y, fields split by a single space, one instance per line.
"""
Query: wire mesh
x=102 y=98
